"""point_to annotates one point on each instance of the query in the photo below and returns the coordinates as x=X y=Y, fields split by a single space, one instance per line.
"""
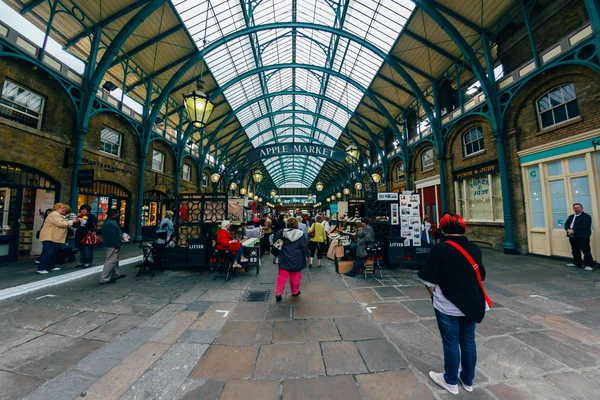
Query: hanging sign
x=85 y=178
x=477 y=170
x=275 y=150
x=387 y=196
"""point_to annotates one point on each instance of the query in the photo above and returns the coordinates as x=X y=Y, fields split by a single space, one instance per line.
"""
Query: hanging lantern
x=328 y=199
x=358 y=186
x=376 y=177
x=352 y=154
x=215 y=177
x=346 y=191
x=257 y=176
x=333 y=198
x=273 y=193
x=319 y=186
x=233 y=186
x=255 y=197
x=260 y=199
x=338 y=195
x=243 y=191
x=250 y=194
x=198 y=105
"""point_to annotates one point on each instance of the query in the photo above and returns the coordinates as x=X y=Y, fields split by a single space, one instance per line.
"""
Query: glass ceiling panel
x=376 y=21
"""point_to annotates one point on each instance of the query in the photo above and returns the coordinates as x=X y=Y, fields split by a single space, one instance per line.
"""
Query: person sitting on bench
x=225 y=242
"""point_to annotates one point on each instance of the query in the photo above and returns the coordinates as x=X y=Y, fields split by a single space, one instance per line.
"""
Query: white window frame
x=551 y=108
x=119 y=145
x=465 y=143
x=463 y=184
x=186 y=173
x=205 y=179
x=162 y=162
x=427 y=167
x=42 y=106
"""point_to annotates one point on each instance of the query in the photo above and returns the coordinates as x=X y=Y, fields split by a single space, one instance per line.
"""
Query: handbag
x=311 y=233
x=475 y=267
x=90 y=239
x=339 y=251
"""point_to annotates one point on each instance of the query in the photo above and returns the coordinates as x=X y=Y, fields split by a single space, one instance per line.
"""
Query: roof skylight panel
x=307 y=80
x=269 y=11
x=315 y=11
x=279 y=81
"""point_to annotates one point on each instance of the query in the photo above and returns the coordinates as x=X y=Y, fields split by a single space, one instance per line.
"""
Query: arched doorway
x=25 y=193
x=155 y=206
x=106 y=195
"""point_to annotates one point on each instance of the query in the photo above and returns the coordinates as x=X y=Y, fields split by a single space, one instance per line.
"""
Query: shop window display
x=480 y=198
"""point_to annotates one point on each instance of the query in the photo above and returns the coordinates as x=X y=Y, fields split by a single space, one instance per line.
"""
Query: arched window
x=427 y=159
x=557 y=106
x=473 y=141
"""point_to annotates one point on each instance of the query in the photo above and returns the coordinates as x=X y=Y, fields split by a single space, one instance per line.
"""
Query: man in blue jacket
x=112 y=239
x=579 y=230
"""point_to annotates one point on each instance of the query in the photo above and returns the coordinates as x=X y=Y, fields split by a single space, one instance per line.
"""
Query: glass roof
x=294 y=60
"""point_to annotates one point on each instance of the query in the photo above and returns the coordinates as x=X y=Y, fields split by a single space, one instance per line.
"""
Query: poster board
x=410 y=218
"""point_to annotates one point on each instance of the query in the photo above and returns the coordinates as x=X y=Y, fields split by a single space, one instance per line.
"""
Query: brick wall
x=190 y=186
x=416 y=169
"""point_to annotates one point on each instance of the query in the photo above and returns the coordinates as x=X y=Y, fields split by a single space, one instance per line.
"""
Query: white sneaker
x=43 y=272
x=439 y=379
x=236 y=265
x=589 y=268
x=55 y=269
x=571 y=265
x=466 y=387
x=244 y=259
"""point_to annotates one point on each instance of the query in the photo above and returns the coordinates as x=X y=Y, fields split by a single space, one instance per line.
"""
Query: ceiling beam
x=412 y=68
x=148 y=43
x=468 y=23
x=29 y=7
x=160 y=71
x=437 y=49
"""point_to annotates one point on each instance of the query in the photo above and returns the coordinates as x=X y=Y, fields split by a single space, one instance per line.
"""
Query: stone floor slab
x=13 y=386
x=415 y=292
x=244 y=390
x=80 y=324
x=559 y=351
x=36 y=349
x=365 y=295
x=395 y=385
x=136 y=305
x=198 y=337
x=391 y=312
x=116 y=382
x=325 y=310
x=249 y=312
x=381 y=355
x=13 y=337
x=322 y=330
x=115 y=328
x=214 y=318
x=511 y=318
x=168 y=373
x=342 y=387
x=357 y=328
x=226 y=362
x=591 y=319
x=506 y=358
x=422 y=308
x=279 y=313
x=311 y=297
x=342 y=358
x=386 y=292
x=344 y=296
x=245 y=332
x=493 y=327
x=289 y=331
x=174 y=329
x=199 y=306
x=530 y=389
x=189 y=296
x=103 y=360
x=37 y=317
x=282 y=361
x=205 y=390
x=164 y=315
x=223 y=295
x=69 y=385
x=540 y=306
x=54 y=364
x=421 y=348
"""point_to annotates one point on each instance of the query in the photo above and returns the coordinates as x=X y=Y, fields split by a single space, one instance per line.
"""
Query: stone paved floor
x=181 y=335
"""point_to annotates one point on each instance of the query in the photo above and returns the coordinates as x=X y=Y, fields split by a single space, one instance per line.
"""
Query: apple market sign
x=275 y=150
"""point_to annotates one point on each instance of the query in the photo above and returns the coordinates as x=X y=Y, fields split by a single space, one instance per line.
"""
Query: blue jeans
x=48 y=257
x=87 y=255
x=238 y=254
x=458 y=332
x=359 y=263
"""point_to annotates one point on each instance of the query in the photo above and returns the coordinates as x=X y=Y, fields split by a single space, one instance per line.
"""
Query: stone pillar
x=443 y=193
x=509 y=241
x=140 y=197
x=77 y=162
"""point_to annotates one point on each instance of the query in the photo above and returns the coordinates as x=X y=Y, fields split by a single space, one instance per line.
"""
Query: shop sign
x=265 y=152
x=85 y=178
x=477 y=170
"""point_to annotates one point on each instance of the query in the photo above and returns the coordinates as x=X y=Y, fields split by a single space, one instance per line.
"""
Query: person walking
x=88 y=225
x=317 y=236
x=37 y=235
x=365 y=237
x=579 y=230
x=113 y=239
x=265 y=242
x=327 y=226
x=292 y=258
x=52 y=235
x=302 y=226
x=453 y=276
x=279 y=224
x=65 y=252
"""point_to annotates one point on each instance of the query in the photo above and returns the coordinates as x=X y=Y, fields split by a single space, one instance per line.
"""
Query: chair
x=374 y=254
x=153 y=254
x=224 y=261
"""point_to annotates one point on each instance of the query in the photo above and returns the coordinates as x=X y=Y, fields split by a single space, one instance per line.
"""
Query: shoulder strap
x=475 y=267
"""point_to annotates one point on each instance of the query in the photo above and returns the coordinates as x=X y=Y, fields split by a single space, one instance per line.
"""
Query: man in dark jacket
x=292 y=258
x=112 y=239
x=579 y=230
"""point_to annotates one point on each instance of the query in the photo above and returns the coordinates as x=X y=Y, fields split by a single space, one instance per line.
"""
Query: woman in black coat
x=292 y=258
x=88 y=224
x=453 y=276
